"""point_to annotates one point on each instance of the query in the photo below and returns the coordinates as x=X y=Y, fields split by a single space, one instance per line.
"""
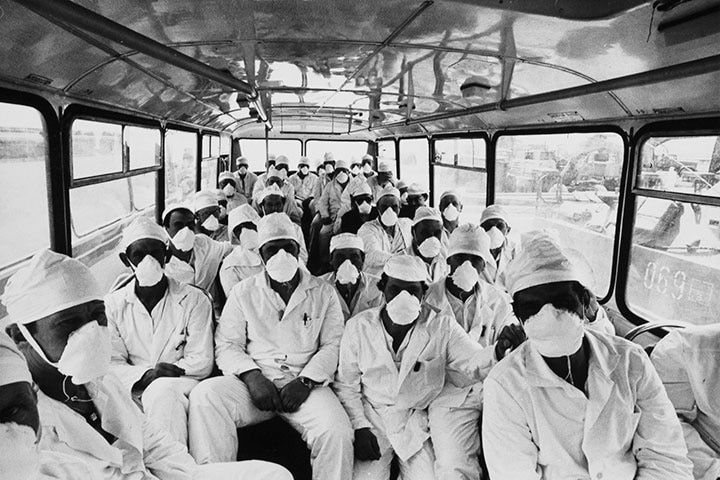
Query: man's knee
x=209 y=392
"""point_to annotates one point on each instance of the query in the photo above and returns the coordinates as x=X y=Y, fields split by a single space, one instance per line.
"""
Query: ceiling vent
x=39 y=79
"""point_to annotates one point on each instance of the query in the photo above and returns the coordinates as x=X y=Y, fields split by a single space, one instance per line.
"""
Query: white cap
x=175 y=206
x=360 y=188
x=204 y=199
x=448 y=193
x=273 y=172
x=276 y=226
x=328 y=157
x=365 y=157
x=427 y=213
x=242 y=161
x=389 y=190
x=417 y=189
x=49 y=283
x=141 y=228
x=304 y=161
x=227 y=176
x=13 y=367
x=384 y=167
x=270 y=190
x=342 y=164
x=281 y=160
x=220 y=195
x=401 y=184
x=407 y=268
x=472 y=240
x=242 y=214
x=346 y=240
x=493 y=212
x=541 y=260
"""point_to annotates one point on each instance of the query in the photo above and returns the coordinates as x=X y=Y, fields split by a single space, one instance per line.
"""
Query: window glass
x=689 y=164
x=470 y=186
x=463 y=152
x=95 y=148
x=414 y=154
x=254 y=150
x=206 y=146
x=95 y=206
x=225 y=144
x=208 y=174
x=568 y=183
x=349 y=150
x=142 y=146
x=386 y=153
x=143 y=191
x=23 y=183
x=180 y=165
x=214 y=146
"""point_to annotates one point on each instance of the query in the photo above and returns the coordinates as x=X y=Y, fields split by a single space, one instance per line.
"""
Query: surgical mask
x=229 y=190
x=304 y=170
x=497 y=239
x=465 y=276
x=430 y=247
x=355 y=170
x=347 y=273
x=403 y=309
x=282 y=266
x=451 y=213
x=20 y=457
x=249 y=239
x=367 y=168
x=389 y=218
x=342 y=177
x=148 y=272
x=364 y=208
x=184 y=240
x=211 y=223
x=554 y=332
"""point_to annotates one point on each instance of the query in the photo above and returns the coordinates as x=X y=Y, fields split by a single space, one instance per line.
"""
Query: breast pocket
x=427 y=378
x=176 y=346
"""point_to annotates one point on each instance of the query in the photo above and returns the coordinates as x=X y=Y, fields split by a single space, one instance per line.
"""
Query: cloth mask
x=554 y=332
x=184 y=240
x=249 y=239
x=389 y=218
x=20 y=459
x=342 y=178
x=465 y=276
x=211 y=223
x=364 y=208
x=282 y=266
x=229 y=190
x=497 y=239
x=148 y=272
x=347 y=273
x=403 y=309
x=451 y=213
x=430 y=247
x=367 y=168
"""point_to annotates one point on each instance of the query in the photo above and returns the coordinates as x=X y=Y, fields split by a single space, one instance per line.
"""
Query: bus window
x=414 y=161
x=180 y=166
x=568 y=183
x=470 y=183
x=674 y=270
x=23 y=182
x=209 y=162
x=254 y=150
x=386 y=153
x=96 y=148
x=142 y=146
x=225 y=141
x=98 y=205
x=350 y=150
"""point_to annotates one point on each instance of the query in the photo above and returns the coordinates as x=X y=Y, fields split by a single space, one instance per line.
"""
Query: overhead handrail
x=646 y=327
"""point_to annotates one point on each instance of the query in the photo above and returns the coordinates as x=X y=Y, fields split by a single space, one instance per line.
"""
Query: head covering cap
x=541 y=260
x=407 y=268
x=342 y=164
x=270 y=190
x=384 y=167
x=304 y=161
x=417 y=189
x=227 y=176
x=276 y=226
x=472 y=240
x=242 y=161
x=492 y=212
x=273 y=172
x=328 y=157
x=13 y=367
x=242 y=214
x=360 y=188
x=389 y=190
x=204 y=199
x=402 y=184
x=366 y=157
x=175 y=206
x=448 y=193
x=427 y=213
x=282 y=160
x=141 y=228
x=346 y=240
x=49 y=283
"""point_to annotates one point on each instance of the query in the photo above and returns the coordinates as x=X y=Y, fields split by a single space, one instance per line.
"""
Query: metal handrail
x=646 y=327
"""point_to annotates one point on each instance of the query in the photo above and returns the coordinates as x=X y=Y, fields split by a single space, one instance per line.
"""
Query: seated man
x=417 y=197
x=361 y=211
x=244 y=261
x=387 y=235
x=161 y=331
x=687 y=362
x=450 y=206
x=494 y=220
x=393 y=362
x=227 y=182
x=245 y=179
x=273 y=200
x=356 y=289
x=58 y=321
x=572 y=402
x=304 y=181
x=427 y=231
x=484 y=313
x=207 y=215
x=277 y=344
x=195 y=257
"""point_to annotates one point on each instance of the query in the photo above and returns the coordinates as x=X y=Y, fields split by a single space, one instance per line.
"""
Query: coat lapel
x=417 y=344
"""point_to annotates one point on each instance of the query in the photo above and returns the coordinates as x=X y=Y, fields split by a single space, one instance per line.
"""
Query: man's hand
x=162 y=369
x=293 y=395
x=263 y=392
x=510 y=337
x=366 y=445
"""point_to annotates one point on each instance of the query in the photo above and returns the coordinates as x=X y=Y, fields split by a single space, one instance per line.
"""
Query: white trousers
x=418 y=467
x=456 y=438
x=220 y=405
x=248 y=470
x=166 y=402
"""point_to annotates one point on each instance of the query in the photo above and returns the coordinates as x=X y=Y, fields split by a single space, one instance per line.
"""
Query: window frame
x=370 y=145
x=238 y=141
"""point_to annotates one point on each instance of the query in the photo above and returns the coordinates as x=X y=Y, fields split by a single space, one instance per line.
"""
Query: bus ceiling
x=369 y=68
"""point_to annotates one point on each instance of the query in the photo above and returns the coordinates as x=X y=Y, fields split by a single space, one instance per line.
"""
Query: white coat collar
x=176 y=292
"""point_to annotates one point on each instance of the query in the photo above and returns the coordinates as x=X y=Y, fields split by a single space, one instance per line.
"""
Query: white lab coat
x=494 y=272
x=239 y=265
x=379 y=246
x=688 y=362
x=304 y=187
x=538 y=426
x=246 y=185
x=437 y=269
x=366 y=296
x=207 y=255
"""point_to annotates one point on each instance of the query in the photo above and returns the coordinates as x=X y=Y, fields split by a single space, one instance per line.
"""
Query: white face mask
x=389 y=218
x=403 y=309
x=355 y=170
x=184 y=240
x=283 y=173
x=451 y=213
x=304 y=170
x=465 y=276
x=282 y=266
x=211 y=223
x=148 y=272
x=403 y=197
x=430 y=247
x=367 y=168
x=223 y=212
x=229 y=190
x=249 y=239
x=347 y=273
x=364 y=208
x=342 y=177
x=243 y=170
x=497 y=239
x=20 y=457
x=329 y=169
x=554 y=332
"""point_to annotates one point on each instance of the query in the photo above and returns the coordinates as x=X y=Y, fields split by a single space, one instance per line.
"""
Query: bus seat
x=651 y=326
